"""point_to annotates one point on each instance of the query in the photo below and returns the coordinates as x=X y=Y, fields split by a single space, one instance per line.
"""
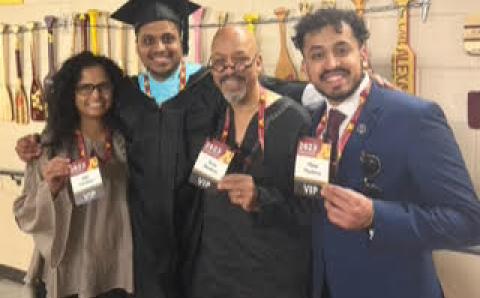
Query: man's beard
x=341 y=97
x=236 y=97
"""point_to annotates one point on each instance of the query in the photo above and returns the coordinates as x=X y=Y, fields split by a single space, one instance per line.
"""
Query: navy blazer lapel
x=370 y=115
x=367 y=123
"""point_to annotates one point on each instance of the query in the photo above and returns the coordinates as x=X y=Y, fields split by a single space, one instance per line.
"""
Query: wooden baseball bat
x=6 y=106
x=93 y=23
x=121 y=36
x=83 y=30
x=50 y=22
x=73 y=49
x=285 y=69
x=359 y=7
x=21 y=100
x=305 y=8
x=109 y=38
x=37 y=103
x=197 y=17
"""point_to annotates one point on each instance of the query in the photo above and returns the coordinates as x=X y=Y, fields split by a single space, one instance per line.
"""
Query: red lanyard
x=261 y=121
x=183 y=80
x=82 y=148
x=350 y=126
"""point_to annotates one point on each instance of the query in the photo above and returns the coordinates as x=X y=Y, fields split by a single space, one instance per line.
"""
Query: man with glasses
x=398 y=187
x=252 y=243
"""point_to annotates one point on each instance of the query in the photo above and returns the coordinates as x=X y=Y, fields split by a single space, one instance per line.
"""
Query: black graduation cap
x=141 y=12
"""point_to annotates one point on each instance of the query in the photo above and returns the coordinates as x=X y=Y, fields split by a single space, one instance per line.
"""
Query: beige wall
x=445 y=74
x=458 y=273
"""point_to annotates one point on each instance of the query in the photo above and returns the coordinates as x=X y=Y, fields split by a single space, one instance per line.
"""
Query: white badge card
x=86 y=181
x=211 y=165
x=312 y=166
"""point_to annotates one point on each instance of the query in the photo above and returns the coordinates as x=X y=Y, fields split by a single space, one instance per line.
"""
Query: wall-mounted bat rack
x=16 y=176
x=423 y=4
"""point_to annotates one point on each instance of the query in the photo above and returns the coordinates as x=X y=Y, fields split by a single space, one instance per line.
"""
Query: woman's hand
x=28 y=147
x=56 y=173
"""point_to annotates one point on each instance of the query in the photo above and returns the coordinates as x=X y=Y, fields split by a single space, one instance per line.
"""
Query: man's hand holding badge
x=241 y=190
x=312 y=166
x=209 y=173
x=347 y=208
x=211 y=165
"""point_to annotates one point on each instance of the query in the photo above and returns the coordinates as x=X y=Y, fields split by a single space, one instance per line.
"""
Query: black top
x=264 y=253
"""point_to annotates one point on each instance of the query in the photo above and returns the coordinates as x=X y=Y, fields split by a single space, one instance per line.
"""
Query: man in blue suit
x=398 y=185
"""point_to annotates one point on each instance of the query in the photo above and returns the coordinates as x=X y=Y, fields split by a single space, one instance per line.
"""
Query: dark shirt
x=264 y=253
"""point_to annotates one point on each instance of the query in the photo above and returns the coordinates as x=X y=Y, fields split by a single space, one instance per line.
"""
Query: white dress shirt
x=349 y=105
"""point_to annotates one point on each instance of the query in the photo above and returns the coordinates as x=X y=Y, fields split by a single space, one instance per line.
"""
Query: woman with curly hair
x=74 y=201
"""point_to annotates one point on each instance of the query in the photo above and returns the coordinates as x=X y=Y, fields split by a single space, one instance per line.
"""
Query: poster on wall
x=10 y=2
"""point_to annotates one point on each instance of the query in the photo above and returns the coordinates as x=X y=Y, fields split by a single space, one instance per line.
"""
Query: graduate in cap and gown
x=166 y=112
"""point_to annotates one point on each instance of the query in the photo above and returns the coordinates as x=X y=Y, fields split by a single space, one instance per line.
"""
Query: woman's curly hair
x=63 y=117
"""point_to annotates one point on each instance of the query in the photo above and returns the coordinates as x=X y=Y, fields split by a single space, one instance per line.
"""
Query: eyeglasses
x=87 y=89
x=238 y=64
x=371 y=166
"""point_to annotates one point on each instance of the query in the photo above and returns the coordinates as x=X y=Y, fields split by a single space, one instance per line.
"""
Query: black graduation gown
x=161 y=143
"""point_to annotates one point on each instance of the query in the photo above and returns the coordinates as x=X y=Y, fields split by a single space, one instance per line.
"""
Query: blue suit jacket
x=428 y=202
